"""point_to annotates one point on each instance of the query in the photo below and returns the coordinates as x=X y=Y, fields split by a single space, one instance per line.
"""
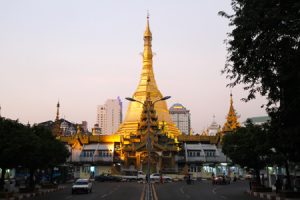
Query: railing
x=195 y=159
x=96 y=159
x=179 y=158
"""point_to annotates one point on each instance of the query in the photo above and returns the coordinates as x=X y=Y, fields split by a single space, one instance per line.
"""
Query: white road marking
x=214 y=191
x=110 y=192
x=181 y=190
x=185 y=195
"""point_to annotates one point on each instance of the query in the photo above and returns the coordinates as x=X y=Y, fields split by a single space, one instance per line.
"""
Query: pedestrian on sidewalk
x=161 y=178
x=278 y=184
x=213 y=178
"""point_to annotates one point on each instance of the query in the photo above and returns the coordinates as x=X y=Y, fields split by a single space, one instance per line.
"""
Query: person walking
x=213 y=178
x=161 y=179
x=278 y=185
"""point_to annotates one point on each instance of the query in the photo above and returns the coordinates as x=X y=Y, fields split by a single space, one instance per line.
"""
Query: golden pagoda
x=232 y=119
x=147 y=86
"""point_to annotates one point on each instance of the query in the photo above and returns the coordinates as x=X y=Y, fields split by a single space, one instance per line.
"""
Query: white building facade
x=109 y=116
x=181 y=117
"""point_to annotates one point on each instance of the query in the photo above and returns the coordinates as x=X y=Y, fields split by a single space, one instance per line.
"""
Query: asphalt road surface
x=203 y=190
x=104 y=190
x=167 y=191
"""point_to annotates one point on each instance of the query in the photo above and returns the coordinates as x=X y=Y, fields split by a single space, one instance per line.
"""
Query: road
x=174 y=191
x=203 y=190
x=104 y=190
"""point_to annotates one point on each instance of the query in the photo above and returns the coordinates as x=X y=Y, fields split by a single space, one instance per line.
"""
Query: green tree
x=30 y=147
x=45 y=151
x=248 y=147
x=10 y=149
x=54 y=151
x=264 y=55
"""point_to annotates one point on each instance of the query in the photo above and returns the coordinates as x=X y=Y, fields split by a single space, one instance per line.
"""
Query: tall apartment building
x=109 y=116
x=181 y=117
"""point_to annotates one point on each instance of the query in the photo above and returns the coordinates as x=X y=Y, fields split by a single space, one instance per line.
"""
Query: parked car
x=107 y=177
x=132 y=175
x=156 y=178
x=82 y=186
x=222 y=180
x=249 y=176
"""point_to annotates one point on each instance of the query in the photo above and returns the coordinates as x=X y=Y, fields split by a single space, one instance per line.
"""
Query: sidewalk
x=19 y=196
x=269 y=195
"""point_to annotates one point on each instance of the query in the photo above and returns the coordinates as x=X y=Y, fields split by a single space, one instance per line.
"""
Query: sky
x=83 y=52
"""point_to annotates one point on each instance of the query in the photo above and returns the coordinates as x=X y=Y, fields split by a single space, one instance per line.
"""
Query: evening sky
x=82 y=52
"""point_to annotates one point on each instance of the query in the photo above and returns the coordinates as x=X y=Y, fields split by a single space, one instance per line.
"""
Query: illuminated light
x=92 y=168
x=224 y=164
x=179 y=107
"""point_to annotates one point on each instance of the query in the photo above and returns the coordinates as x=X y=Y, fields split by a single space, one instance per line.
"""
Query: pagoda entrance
x=154 y=162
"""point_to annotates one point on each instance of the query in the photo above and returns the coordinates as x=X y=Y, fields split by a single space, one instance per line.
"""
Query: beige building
x=181 y=117
x=109 y=116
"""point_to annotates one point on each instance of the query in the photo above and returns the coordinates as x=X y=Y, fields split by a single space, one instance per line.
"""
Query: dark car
x=107 y=177
x=222 y=180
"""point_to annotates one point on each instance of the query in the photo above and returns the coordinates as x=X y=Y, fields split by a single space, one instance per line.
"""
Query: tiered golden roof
x=232 y=118
x=146 y=86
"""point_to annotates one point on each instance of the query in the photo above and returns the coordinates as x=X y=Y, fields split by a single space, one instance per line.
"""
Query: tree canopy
x=248 y=146
x=29 y=147
x=264 y=56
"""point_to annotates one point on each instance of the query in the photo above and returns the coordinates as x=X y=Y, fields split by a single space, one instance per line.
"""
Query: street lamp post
x=148 y=104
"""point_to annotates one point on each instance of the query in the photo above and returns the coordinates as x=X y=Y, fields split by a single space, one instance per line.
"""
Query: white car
x=156 y=178
x=82 y=186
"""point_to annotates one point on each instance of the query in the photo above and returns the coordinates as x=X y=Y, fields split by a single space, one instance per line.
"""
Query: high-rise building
x=109 y=116
x=181 y=117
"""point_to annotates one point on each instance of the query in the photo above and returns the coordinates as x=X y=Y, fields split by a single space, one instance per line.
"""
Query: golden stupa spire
x=146 y=87
x=147 y=31
x=231 y=119
x=57 y=111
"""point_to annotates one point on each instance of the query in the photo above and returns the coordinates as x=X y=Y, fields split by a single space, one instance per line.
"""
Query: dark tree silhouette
x=264 y=55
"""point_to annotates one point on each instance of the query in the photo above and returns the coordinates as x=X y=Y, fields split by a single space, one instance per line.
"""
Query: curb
x=28 y=195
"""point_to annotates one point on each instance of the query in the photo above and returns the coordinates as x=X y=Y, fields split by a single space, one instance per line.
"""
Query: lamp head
x=165 y=98
x=130 y=99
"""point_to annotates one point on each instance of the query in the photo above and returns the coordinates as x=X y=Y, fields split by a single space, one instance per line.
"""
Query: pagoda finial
x=57 y=111
x=147 y=31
